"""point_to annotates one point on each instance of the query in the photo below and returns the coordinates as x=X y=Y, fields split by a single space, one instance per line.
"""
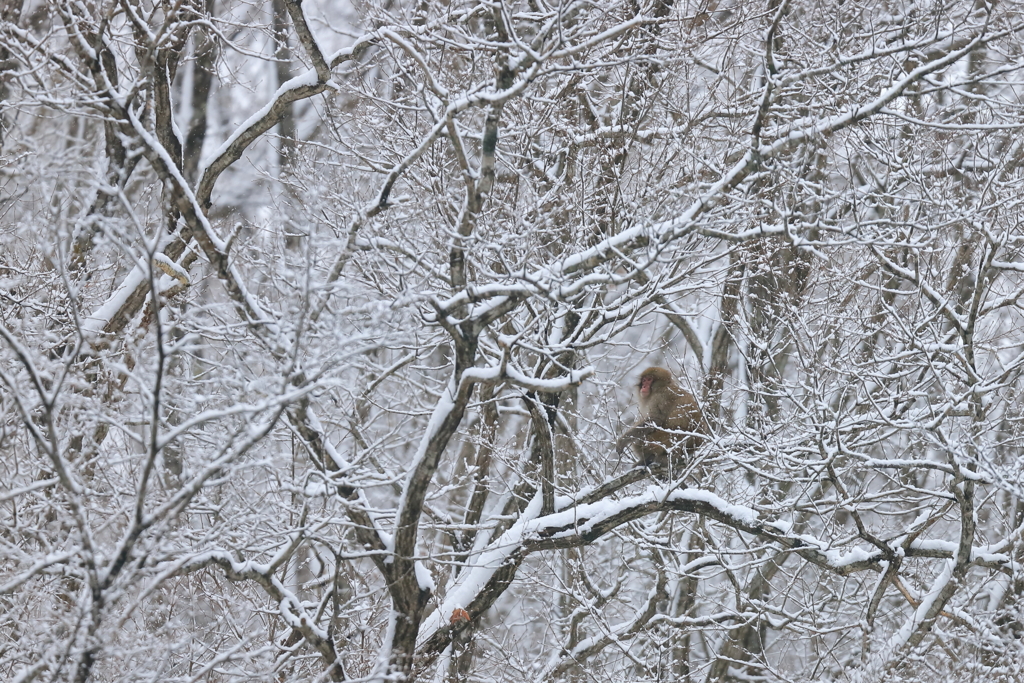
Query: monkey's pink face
x=645 y=386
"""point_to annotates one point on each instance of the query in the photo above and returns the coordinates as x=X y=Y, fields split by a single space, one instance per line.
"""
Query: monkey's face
x=646 y=385
x=654 y=382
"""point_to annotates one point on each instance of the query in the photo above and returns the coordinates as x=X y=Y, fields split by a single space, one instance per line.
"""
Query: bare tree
x=319 y=322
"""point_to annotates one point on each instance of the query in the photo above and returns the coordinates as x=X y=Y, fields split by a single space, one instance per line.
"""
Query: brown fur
x=669 y=424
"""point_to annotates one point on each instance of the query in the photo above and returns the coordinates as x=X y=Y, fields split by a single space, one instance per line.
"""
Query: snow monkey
x=669 y=424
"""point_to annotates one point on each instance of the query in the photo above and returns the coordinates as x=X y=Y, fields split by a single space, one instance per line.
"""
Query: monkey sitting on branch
x=670 y=424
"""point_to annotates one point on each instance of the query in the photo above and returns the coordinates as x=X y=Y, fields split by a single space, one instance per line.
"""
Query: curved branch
x=582 y=524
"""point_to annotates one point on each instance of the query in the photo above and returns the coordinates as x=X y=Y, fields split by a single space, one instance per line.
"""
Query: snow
x=340 y=461
x=180 y=274
x=838 y=559
x=887 y=412
x=309 y=78
x=424 y=579
x=442 y=409
x=472 y=580
x=97 y=320
x=742 y=513
x=903 y=635
x=571 y=522
x=315 y=489
x=575 y=378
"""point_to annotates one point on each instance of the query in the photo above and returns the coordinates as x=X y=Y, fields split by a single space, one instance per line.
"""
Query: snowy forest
x=320 y=320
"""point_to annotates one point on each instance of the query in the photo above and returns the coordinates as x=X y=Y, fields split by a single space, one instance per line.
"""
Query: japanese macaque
x=669 y=425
